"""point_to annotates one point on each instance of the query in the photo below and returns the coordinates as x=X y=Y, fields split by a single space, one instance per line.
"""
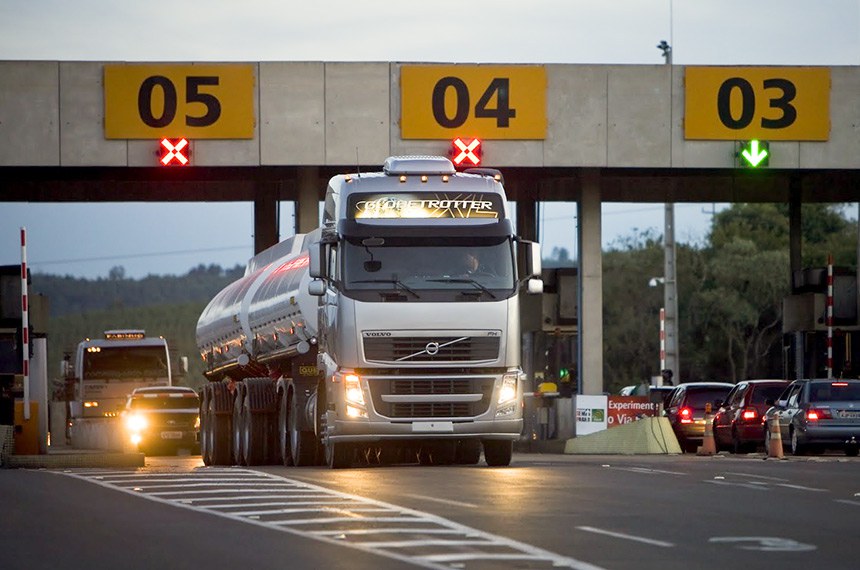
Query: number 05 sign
x=484 y=101
x=194 y=101
x=769 y=103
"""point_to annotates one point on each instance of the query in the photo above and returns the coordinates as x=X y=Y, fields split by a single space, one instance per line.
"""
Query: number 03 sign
x=484 y=101
x=194 y=101
x=769 y=103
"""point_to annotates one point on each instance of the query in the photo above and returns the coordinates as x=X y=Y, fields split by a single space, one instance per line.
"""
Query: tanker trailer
x=389 y=334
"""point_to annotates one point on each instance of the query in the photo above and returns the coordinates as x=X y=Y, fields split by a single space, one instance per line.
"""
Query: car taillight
x=815 y=414
x=749 y=415
x=686 y=415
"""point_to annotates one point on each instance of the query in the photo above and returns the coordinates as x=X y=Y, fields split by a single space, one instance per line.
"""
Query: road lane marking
x=802 y=488
x=756 y=476
x=360 y=523
x=641 y=539
x=756 y=486
x=847 y=502
x=443 y=501
x=646 y=470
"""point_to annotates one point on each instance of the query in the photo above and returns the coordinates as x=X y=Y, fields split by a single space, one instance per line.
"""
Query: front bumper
x=374 y=431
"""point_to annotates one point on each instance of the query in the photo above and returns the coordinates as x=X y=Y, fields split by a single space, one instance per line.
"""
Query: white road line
x=755 y=476
x=443 y=501
x=802 y=488
x=479 y=545
x=647 y=471
x=757 y=487
x=627 y=536
x=847 y=502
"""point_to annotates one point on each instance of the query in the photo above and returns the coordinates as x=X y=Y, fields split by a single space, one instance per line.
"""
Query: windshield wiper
x=460 y=280
x=396 y=282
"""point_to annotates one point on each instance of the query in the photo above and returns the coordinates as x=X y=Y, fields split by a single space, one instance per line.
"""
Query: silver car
x=818 y=414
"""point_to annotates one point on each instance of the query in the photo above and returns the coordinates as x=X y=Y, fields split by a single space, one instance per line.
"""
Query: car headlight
x=508 y=391
x=136 y=423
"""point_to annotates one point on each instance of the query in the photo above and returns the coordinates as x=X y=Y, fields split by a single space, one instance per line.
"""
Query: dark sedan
x=686 y=410
x=815 y=415
x=738 y=423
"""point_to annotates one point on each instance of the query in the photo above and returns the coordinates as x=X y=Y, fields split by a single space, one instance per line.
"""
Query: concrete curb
x=73 y=459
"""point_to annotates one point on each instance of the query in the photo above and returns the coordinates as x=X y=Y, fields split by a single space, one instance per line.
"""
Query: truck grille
x=423 y=387
x=429 y=349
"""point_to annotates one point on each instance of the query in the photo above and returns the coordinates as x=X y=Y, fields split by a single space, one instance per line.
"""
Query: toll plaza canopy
x=272 y=131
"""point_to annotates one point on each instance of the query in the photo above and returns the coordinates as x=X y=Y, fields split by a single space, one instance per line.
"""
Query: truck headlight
x=508 y=391
x=197 y=422
x=352 y=385
x=136 y=423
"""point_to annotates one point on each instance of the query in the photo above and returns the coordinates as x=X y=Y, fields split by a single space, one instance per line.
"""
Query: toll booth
x=29 y=435
x=805 y=328
x=550 y=342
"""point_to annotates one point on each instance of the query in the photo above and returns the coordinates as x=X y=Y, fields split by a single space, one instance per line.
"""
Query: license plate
x=848 y=414
x=433 y=427
x=171 y=435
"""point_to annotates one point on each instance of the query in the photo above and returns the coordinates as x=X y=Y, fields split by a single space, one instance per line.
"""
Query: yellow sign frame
x=151 y=101
x=764 y=103
x=446 y=101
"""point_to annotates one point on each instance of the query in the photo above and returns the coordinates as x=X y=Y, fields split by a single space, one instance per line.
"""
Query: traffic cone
x=774 y=446
x=709 y=446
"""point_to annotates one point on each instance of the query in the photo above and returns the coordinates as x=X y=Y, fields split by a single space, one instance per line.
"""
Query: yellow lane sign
x=174 y=100
x=484 y=101
x=766 y=103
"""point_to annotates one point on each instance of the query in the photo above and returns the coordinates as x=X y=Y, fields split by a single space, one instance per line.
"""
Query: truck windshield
x=413 y=267
x=126 y=362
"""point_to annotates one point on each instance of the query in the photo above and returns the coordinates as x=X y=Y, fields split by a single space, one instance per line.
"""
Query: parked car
x=162 y=418
x=686 y=410
x=818 y=414
x=738 y=422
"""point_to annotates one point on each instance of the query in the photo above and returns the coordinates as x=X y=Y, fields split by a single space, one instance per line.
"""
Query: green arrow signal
x=754 y=155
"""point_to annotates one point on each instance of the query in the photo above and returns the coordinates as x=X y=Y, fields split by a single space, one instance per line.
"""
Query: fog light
x=136 y=438
x=353 y=412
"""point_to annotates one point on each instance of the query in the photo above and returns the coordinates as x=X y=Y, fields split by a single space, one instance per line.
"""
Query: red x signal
x=466 y=154
x=174 y=152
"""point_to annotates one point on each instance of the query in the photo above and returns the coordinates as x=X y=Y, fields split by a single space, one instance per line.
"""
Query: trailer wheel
x=254 y=432
x=283 y=428
x=219 y=430
x=239 y=427
x=498 y=452
x=302 y=443
x=205 y=445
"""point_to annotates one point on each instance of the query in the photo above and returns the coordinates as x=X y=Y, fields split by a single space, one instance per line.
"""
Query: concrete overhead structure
x=614 y=133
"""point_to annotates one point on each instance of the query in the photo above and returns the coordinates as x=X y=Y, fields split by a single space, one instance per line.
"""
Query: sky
x=87 y=240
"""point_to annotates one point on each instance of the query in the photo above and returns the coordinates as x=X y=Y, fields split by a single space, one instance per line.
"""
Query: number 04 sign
x=169 y=100
x=483 y=101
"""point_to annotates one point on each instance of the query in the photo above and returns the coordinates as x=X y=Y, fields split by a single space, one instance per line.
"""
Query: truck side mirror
x=316 y=288
x=315 y=258
x=534 y=286
x=183 y=364
x=533 y=261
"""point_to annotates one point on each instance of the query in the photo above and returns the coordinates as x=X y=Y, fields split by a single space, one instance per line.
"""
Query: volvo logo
x=377 y=334
x=432 y=348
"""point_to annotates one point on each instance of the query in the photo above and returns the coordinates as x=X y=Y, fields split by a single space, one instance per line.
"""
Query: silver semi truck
x=389 y=334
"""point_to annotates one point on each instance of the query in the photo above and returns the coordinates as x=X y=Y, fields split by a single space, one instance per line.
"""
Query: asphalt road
x=545 y=511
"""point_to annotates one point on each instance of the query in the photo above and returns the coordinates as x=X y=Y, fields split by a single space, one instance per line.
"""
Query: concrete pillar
x=795 y=241
x=590 y=285
x=307 y=205
x=527 y=221
x=265 y=216
x=39 y=388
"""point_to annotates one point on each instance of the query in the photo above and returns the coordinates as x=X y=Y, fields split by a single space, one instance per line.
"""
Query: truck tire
x=258 y=411
x=283 y=430
x=498 y=452
x=219 y=430
x=339 y=455
x=239 y=426
x=205 y=446
x=302 y=442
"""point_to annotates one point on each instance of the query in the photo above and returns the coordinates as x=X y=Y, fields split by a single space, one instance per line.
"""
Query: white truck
x=372 y=338
x=105 y=372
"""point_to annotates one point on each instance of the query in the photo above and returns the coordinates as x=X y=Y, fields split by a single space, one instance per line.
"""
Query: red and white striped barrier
x=25 y=325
